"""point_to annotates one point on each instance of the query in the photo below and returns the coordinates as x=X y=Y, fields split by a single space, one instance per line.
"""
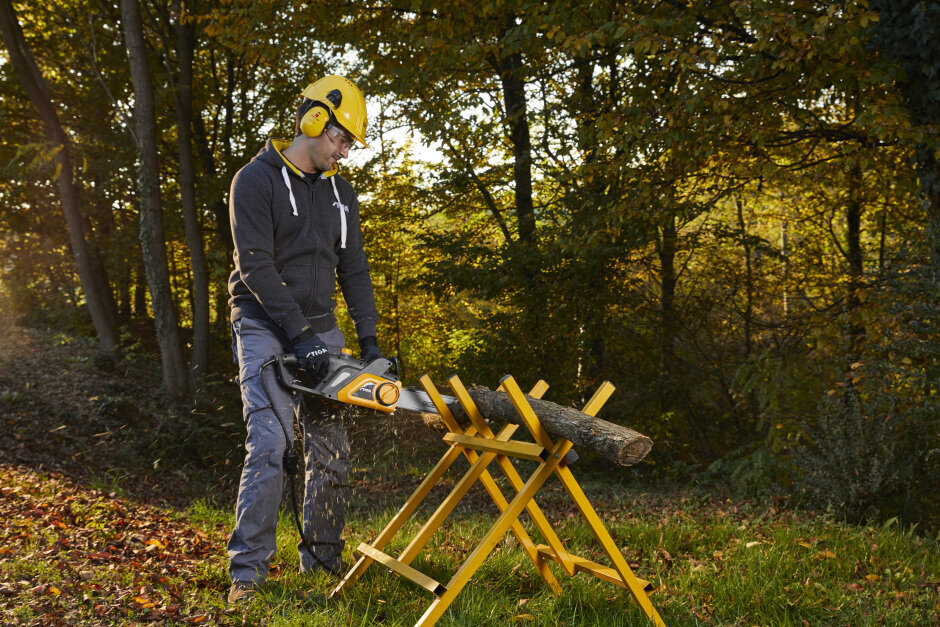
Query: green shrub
x=850 y=459
x=868 y=456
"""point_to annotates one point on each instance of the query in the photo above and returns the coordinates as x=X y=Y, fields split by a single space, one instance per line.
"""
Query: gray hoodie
x=294 y=235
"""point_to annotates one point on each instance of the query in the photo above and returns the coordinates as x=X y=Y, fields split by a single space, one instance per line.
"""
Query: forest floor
x=115 y=509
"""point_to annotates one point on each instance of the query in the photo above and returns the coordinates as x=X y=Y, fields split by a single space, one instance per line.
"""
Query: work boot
x=241 y=592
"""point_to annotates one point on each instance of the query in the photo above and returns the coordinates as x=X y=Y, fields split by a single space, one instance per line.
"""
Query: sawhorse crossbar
x=481 y=446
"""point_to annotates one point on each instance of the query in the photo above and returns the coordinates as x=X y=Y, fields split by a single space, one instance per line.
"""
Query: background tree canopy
x=731 y=210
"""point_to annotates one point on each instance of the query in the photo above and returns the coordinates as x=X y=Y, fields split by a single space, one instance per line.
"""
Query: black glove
x=370 y=349
x=312 y=356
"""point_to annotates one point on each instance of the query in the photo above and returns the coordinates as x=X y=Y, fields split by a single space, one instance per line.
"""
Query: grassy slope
x=113 y=511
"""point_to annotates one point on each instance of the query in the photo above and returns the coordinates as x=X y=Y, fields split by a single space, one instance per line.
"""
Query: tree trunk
x=185 y=47
x=218 y=204
x=510 y=69
x=853 y=234
x=930 y=188
x=124 y=294
x=140 y=292
x=749 y=289
x=94 y=282
x=667 y=259
x=153 y=247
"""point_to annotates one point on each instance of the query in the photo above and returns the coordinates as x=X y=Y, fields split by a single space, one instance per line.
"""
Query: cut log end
x=633 y=452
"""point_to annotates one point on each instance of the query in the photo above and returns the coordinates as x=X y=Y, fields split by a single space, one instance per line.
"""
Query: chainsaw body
x=349 y=380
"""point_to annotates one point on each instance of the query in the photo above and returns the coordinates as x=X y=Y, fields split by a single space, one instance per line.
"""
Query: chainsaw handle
x=284 y=365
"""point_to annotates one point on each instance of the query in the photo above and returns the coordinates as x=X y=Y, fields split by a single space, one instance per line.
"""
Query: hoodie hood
x=273 y=154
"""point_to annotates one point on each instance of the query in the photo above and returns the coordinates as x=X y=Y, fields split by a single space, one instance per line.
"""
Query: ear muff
x=314 y=120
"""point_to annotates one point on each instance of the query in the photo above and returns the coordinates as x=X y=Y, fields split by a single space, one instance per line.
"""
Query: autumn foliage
x=728 y=209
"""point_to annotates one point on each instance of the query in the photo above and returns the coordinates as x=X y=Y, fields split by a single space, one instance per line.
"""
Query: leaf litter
x=73 y=554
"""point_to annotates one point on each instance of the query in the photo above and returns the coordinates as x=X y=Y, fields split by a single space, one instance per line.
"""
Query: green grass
x=712 y=560
x=712 y=563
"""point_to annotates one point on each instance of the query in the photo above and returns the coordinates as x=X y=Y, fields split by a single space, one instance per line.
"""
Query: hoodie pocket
x=301 y=282
x=324 y=287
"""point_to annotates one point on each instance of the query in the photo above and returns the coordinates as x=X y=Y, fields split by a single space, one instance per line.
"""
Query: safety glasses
x=340 y=137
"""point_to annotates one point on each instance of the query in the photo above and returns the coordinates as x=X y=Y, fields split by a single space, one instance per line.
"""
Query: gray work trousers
x=326 y=459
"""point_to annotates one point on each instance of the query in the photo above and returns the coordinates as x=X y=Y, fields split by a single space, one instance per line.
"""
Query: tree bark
x=210 y=169
x=140 y=291
x=185 y=48
x=753 y=403
x=668 y=245
x=152 y=243
x=931 y=192
x=855 y=257
x=509 y=66
x=94 y=282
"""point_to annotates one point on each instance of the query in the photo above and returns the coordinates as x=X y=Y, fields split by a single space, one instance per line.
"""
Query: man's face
x=332 y=145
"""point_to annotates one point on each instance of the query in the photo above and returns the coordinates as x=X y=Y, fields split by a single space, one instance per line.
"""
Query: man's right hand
x=312 y=356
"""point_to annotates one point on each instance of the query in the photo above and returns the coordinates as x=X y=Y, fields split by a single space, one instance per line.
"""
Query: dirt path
x=109 y=427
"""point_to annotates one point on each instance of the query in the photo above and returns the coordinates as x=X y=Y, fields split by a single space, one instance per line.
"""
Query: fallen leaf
x=523 y=618
x=872 y=577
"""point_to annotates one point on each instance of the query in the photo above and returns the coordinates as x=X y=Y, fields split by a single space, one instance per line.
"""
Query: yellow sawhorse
x=481 y=446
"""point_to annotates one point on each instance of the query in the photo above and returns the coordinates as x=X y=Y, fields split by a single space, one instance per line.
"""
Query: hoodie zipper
x=343 y=209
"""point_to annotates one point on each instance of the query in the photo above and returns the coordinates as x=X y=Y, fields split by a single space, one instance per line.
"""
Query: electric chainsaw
x=373 y=384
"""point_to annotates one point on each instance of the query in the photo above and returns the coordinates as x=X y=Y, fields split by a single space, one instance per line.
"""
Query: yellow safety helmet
x=339 y=98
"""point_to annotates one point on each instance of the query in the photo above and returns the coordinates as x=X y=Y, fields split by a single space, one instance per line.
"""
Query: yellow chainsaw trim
x=371 y=391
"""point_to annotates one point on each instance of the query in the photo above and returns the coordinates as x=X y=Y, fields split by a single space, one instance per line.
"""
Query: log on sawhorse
x=481 y=446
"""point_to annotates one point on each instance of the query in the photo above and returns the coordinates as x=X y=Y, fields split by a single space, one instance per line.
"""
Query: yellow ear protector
x=314 y=120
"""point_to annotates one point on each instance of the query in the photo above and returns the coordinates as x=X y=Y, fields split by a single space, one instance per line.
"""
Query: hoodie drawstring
x=293 y=203
x=343 y=210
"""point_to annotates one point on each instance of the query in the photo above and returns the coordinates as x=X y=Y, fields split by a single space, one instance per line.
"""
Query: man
x=295 y=224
